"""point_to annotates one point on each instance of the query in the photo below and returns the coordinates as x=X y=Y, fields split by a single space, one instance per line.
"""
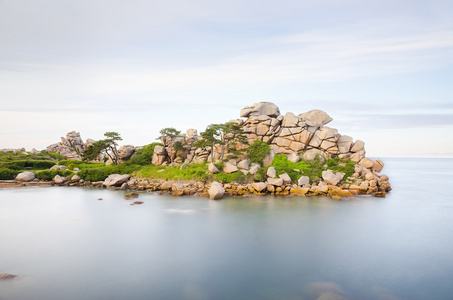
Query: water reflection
x=238 y=248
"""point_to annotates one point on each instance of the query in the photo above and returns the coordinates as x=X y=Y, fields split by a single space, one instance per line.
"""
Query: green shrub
x=258 y=151
x=50 y=174
x=143 y=157
x=27 y=164
x=100 y=174
x=345 y=166
x=8 y=174
x=238 y=177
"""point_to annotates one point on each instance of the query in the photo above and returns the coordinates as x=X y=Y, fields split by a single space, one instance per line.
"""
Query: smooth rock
x=261 y=108
x=331 y=177
x=268 y=159
x=244 y=164
x=254 y=169
x=275 y=181
x=59 y=179
x=229 y=167
x=312 y=153
x=316 y=116
x=25 y=176
x=293 y=157
x=271 y=173
x=116 y=179
x=212 y=168
x=304 y=180
x=358 y=146
x=259 y=186
x=290 y=120
x=75 y=178
x=192 y=133
x=125 y=152
x=286 y=178
x=367 y=162
x=216 y=191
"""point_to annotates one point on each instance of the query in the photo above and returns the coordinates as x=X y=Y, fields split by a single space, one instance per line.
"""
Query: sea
x=64 y=243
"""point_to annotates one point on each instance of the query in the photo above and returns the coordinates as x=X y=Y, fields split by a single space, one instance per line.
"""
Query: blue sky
x=382 y=69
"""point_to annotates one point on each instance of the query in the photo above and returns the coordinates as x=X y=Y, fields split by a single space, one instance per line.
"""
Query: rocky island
x=263 y=152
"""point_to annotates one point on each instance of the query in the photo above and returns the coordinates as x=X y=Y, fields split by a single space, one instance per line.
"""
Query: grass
x=192 y=172
x=311 y=168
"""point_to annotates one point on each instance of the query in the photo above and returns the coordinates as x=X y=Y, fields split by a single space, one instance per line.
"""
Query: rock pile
x=71 y=146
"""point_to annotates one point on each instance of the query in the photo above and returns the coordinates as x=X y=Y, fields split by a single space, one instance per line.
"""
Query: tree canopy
x=107 y=146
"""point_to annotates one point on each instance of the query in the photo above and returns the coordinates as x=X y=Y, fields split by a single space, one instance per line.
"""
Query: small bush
x=258 y=151
x=238 y=177
x=8 y=174
x=143 y=157
x=50 y=174
x=100 y=174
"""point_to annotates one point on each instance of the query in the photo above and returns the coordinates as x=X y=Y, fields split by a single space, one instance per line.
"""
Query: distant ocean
x=64 y=243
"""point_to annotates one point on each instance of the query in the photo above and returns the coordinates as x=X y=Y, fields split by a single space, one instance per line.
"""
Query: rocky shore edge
x=216 y=190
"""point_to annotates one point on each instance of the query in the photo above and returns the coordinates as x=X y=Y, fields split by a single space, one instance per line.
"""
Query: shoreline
x=200 y=188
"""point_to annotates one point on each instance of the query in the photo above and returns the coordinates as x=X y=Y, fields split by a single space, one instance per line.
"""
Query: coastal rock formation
x=70 y=147
x=126 y=152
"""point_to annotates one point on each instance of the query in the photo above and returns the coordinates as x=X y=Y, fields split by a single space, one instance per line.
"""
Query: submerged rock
x=6 y=276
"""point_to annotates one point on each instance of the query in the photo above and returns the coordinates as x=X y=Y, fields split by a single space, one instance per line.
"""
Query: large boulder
x=125 y=152
x=304 y=180
x=192 y=133
x=216 y=191
x=275 y=181
x=259 y=186
x=312 y=153
x=332 y=178
x=229 y=168
x=261 y=108
x=290 y=120
x=316 y=116
x=244 y=164
x=212 y=168
x=59 y=179
x=116 y=179
x=285 y=177
x=25 y=176
x=271 y=173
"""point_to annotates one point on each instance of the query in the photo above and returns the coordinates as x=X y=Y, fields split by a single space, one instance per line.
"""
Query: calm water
x=65 y=244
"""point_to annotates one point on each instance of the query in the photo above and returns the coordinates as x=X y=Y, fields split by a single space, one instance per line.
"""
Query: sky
x=383 y=70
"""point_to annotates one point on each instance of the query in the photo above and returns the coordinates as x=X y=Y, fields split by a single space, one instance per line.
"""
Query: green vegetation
x=311 y=168
x=106 y=146
x=8 y=174
x=143 y=157
x=99 y=174
x=50 y=174
x=43 y=155
x=258 y=151
x=80 y=164
x=170 y=133
x=210 y=137
x=27 y=164
x=192 y=172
